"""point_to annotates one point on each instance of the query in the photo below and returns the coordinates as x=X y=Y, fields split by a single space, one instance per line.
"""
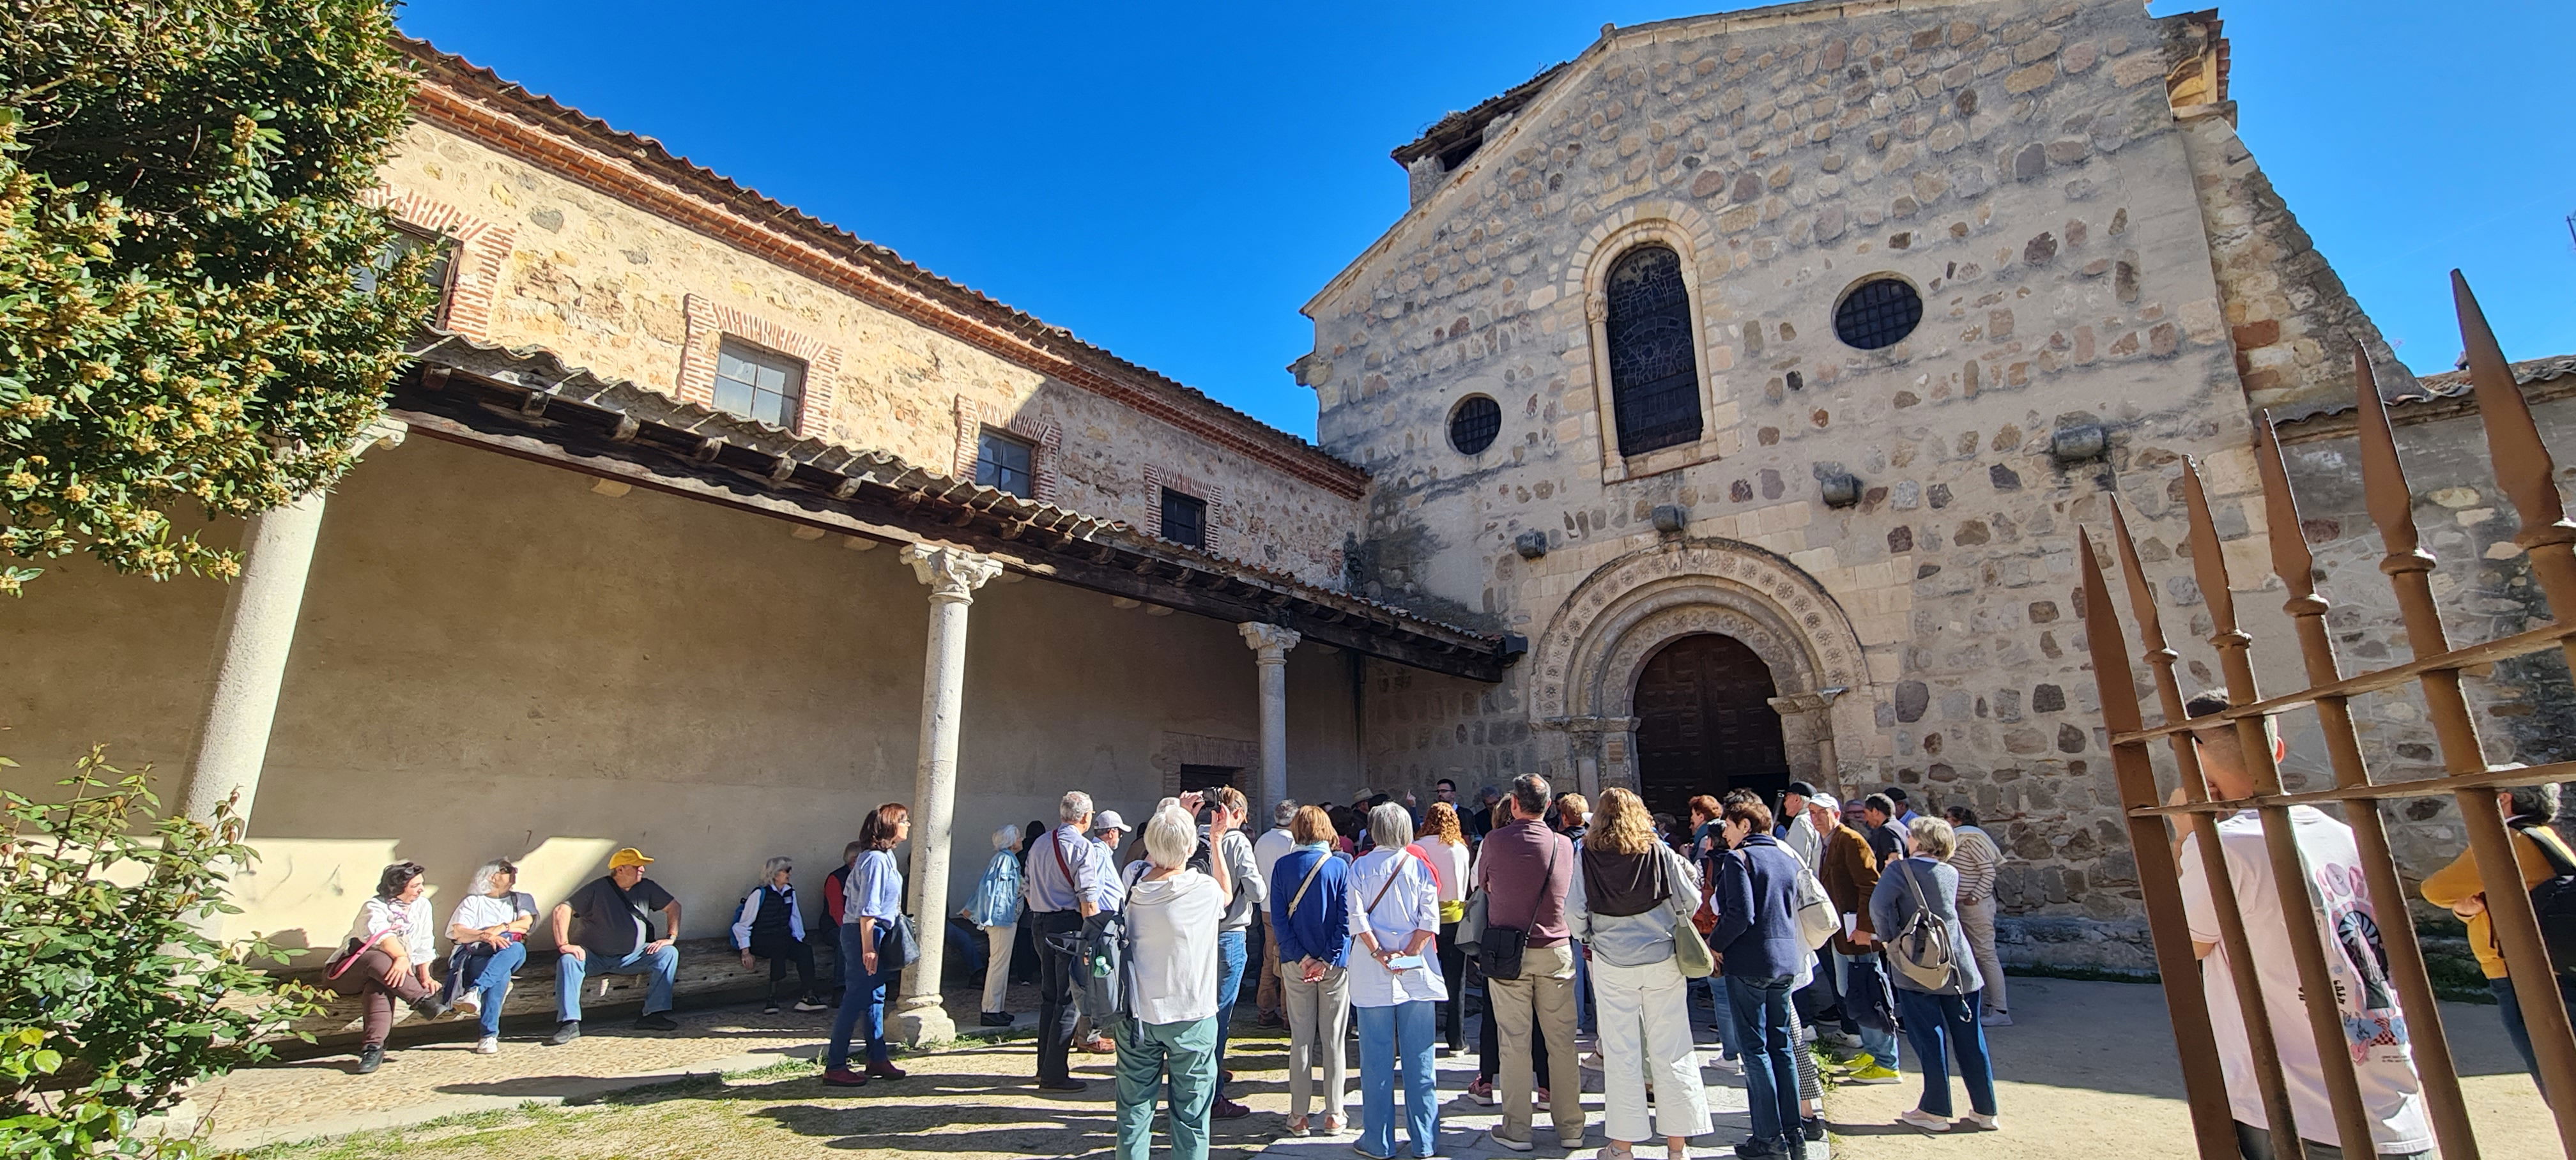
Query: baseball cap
x=1802 y=789
x=1823 y=799
x=629 y=856
x=1109 y=820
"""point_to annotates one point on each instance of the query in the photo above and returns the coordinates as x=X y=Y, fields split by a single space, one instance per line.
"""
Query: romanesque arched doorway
x=1705 y=723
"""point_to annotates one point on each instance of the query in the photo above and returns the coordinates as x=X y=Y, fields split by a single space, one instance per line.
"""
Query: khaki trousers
x=1978 y=920
x=1319 y=1021
x=1541 y=1000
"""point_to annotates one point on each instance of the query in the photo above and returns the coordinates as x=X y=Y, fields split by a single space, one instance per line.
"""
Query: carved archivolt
x=1588 y=660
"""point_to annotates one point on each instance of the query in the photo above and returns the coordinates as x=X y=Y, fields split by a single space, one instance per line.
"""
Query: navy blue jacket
x=1320 y=926
x=1756 y=899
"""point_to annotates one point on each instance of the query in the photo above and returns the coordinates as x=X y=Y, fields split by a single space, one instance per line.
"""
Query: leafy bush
x=116 y=997
x=191 y=306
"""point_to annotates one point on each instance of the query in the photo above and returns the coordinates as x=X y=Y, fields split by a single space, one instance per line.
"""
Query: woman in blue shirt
x=1310 y=916
x=996 y=908
x=874 y=899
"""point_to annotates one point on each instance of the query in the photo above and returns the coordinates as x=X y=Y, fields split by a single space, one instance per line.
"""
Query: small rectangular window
x=1003 y=463
x=761 y=385
x=441 y=268
x=1184 y=519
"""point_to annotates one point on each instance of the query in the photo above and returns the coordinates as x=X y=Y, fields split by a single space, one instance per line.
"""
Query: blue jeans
x=1585 y=1019
x=1861 y=972
x=1231 y=956
x=862 y=1002
x=492 y=981
x=1770 y=1071
x=1408 y=1028
x=1177 y=1058
x=2509 y=1005
x=663 y=965
x=1725 y=1014
x=1933 y=1021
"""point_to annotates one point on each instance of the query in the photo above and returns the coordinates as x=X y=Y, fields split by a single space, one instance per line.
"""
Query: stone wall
x=632 y=295
x=2525 y=707
x=2020 y=164
x=496 y=660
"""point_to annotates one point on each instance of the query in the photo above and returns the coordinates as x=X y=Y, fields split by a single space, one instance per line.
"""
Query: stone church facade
x=1629 y=382
x=1722 y=410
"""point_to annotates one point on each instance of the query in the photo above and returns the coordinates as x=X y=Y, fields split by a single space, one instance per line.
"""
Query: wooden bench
x=709 y=969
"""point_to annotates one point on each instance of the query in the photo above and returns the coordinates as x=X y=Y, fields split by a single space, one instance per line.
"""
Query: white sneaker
x=1918 y=1118
x=1508 y=1142
x=1995 y=1019
x=488 y=1045
x=1806 y=1035
x=1730 y=1066
x=1982 y=1123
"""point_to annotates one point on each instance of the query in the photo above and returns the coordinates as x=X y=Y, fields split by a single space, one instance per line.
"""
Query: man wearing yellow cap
x=616 y=939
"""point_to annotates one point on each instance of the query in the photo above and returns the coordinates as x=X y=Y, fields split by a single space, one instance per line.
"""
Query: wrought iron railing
x=2526 y=475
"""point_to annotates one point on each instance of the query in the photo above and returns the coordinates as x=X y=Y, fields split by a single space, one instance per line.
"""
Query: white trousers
x=997 y=967
x=1646 y=1034
x=1977 y=920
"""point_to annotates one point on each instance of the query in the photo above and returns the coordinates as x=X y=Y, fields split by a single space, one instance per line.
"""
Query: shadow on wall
x=304 y=893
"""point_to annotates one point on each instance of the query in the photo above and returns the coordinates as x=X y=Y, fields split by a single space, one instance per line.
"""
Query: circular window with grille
x=1474 y=423
x=1878 y=313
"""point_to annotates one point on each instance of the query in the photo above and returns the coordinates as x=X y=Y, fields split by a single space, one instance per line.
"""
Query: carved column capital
x=952 y=573
x=1269 y=642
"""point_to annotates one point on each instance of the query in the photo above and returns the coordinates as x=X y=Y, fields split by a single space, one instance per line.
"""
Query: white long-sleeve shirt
x=1411 y=904
x=742 y=919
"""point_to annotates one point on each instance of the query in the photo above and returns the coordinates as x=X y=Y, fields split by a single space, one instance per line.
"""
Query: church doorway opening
x=1705 y=724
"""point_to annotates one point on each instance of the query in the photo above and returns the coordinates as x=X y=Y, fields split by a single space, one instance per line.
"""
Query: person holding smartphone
x=1394 y=903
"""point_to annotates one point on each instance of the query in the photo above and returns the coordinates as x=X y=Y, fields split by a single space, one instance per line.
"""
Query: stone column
x=953 y=577
x=250 y=653
x=1270 y=644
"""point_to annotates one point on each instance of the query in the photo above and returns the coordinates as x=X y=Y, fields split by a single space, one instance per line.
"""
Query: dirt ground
x=2088 y=1071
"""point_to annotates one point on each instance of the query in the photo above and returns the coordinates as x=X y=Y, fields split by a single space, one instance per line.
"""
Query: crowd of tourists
x=1377 y=919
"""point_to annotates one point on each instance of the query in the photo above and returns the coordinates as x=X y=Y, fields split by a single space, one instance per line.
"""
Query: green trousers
x=1147 y=1052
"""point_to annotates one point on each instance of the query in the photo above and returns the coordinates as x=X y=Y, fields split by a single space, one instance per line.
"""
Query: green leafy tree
x=193 y=301
x=115 y=997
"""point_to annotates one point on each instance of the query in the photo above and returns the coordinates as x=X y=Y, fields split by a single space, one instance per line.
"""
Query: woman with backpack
x=1629 y=896
x=1394 y=902
x=1915 y=910
x=1310 y=914
x=1167 y=1036
x=2543 y=859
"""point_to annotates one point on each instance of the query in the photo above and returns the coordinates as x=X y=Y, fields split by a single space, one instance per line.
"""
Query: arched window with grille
x=1654 y=367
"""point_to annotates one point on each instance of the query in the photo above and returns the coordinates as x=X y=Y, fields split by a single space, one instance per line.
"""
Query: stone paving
x=318 y=1098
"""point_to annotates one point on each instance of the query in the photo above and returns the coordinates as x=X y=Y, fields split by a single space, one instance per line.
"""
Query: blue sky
x=1171 y=181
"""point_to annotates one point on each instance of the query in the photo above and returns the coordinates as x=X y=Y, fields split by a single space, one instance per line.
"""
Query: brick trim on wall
x=1046 y=440
x=567 y=145
x=482 y=248
x=1220 y=515
x=708 y=324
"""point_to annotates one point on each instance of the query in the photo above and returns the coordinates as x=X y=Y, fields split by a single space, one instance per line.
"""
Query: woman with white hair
x=769 y=927
x=1941 y=1018
x=1171 y=1033
x=490 y=928
x=1394 y=902
x=996 y=908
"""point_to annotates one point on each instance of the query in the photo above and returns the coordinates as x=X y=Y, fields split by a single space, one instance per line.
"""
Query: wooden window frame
x=1045 y=438
x=474 y=272
x=797 y=371
x=710 y=323
x=985 y=438
x=1220 y=514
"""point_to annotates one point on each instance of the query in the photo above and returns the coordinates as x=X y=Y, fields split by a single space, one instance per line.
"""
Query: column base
x=927 y=1023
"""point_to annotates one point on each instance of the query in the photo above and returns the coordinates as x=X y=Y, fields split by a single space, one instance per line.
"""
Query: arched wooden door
x=1705 y=724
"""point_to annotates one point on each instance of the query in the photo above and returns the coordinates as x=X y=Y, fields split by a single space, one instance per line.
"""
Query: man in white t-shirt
x=2375 y=1030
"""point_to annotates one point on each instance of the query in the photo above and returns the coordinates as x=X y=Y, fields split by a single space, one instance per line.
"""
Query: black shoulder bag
x=1498 y=953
